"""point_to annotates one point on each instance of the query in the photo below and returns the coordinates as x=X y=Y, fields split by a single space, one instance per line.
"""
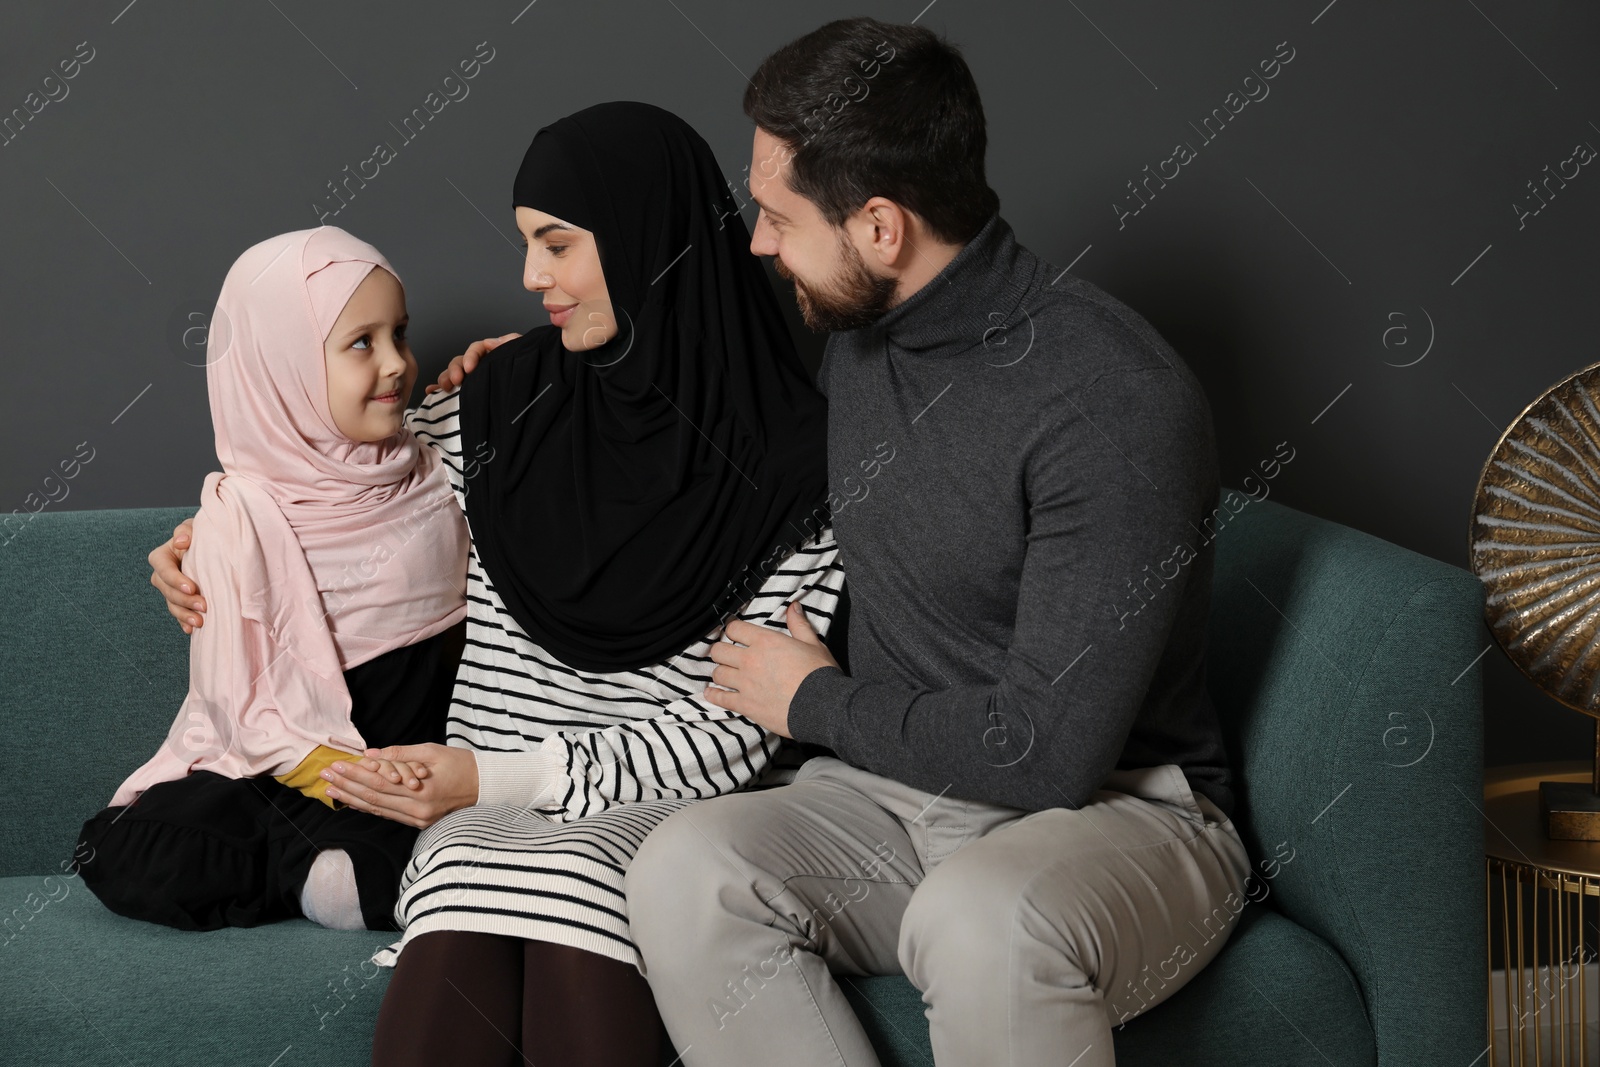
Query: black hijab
x=625 y=499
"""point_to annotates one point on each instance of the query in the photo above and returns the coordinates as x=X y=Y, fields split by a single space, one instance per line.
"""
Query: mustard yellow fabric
x=307 y=776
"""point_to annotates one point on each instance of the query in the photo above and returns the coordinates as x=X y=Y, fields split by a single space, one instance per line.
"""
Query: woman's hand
x=451 y=783
x=166 y=574
x=463 y=365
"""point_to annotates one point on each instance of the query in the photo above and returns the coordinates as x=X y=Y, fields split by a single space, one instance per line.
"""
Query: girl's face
x=370 y=366
x=564 y=264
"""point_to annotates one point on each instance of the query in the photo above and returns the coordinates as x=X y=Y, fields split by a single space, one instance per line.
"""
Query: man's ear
x=890 y=240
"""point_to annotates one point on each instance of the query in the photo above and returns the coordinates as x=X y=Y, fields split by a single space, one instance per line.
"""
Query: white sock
x=329 y=897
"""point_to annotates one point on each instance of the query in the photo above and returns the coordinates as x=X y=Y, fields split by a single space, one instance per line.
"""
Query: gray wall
x=1360 y=211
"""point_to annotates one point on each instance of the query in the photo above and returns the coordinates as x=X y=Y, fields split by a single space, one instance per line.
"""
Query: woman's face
x=370 y=366
x=564 y=264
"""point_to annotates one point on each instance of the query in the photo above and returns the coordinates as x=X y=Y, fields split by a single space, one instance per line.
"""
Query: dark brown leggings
x=483 y=999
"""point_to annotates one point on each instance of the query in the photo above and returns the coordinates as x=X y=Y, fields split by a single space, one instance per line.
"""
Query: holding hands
x=398 y=772
x=412 y=784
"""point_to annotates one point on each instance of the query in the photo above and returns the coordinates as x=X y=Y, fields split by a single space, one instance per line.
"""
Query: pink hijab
x=315 y=553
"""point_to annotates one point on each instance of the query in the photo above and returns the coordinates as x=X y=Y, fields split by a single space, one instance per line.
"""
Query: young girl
x=335 y=557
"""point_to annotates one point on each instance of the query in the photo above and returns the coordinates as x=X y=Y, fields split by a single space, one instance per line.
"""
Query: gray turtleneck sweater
x=1018 y=464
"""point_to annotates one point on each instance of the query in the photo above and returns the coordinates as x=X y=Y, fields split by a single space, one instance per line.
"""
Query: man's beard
x=854 y=298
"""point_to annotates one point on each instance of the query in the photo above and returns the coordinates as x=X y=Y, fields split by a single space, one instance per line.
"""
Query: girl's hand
x=463 y=365
x=397 y=771
x=451 y=783
x=166 y=574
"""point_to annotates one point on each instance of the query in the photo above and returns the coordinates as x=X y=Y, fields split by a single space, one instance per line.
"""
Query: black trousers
x=206 y=851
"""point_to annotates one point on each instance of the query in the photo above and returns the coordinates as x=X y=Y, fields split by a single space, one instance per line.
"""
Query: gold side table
x=1544 y=917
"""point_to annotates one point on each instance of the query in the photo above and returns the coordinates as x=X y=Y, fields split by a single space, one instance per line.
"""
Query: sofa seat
x=115 y=991
x=89 y=987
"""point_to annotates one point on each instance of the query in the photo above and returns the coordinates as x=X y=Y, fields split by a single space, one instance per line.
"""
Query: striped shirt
x=570 y=743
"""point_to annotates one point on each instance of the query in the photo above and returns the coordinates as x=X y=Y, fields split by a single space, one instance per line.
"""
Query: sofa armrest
x=1346 y=673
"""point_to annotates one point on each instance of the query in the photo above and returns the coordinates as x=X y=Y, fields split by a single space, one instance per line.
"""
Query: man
x=1027 y=810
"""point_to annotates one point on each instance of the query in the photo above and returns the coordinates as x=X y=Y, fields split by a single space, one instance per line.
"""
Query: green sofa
x=1339 y=663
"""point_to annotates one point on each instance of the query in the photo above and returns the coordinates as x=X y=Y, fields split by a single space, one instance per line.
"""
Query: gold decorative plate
x=1535 y=541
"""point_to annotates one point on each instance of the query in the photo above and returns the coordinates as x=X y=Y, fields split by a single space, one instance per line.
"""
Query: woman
x=631 y=474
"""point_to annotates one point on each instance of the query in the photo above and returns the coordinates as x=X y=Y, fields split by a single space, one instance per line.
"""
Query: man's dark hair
x=872 y=108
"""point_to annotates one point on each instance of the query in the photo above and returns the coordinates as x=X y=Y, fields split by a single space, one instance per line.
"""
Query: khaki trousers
x=1030 y=934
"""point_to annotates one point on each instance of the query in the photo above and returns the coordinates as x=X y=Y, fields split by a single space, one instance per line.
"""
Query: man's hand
x=166 y=574
x=449 y=782
x=463 y=365
x=767 y=670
